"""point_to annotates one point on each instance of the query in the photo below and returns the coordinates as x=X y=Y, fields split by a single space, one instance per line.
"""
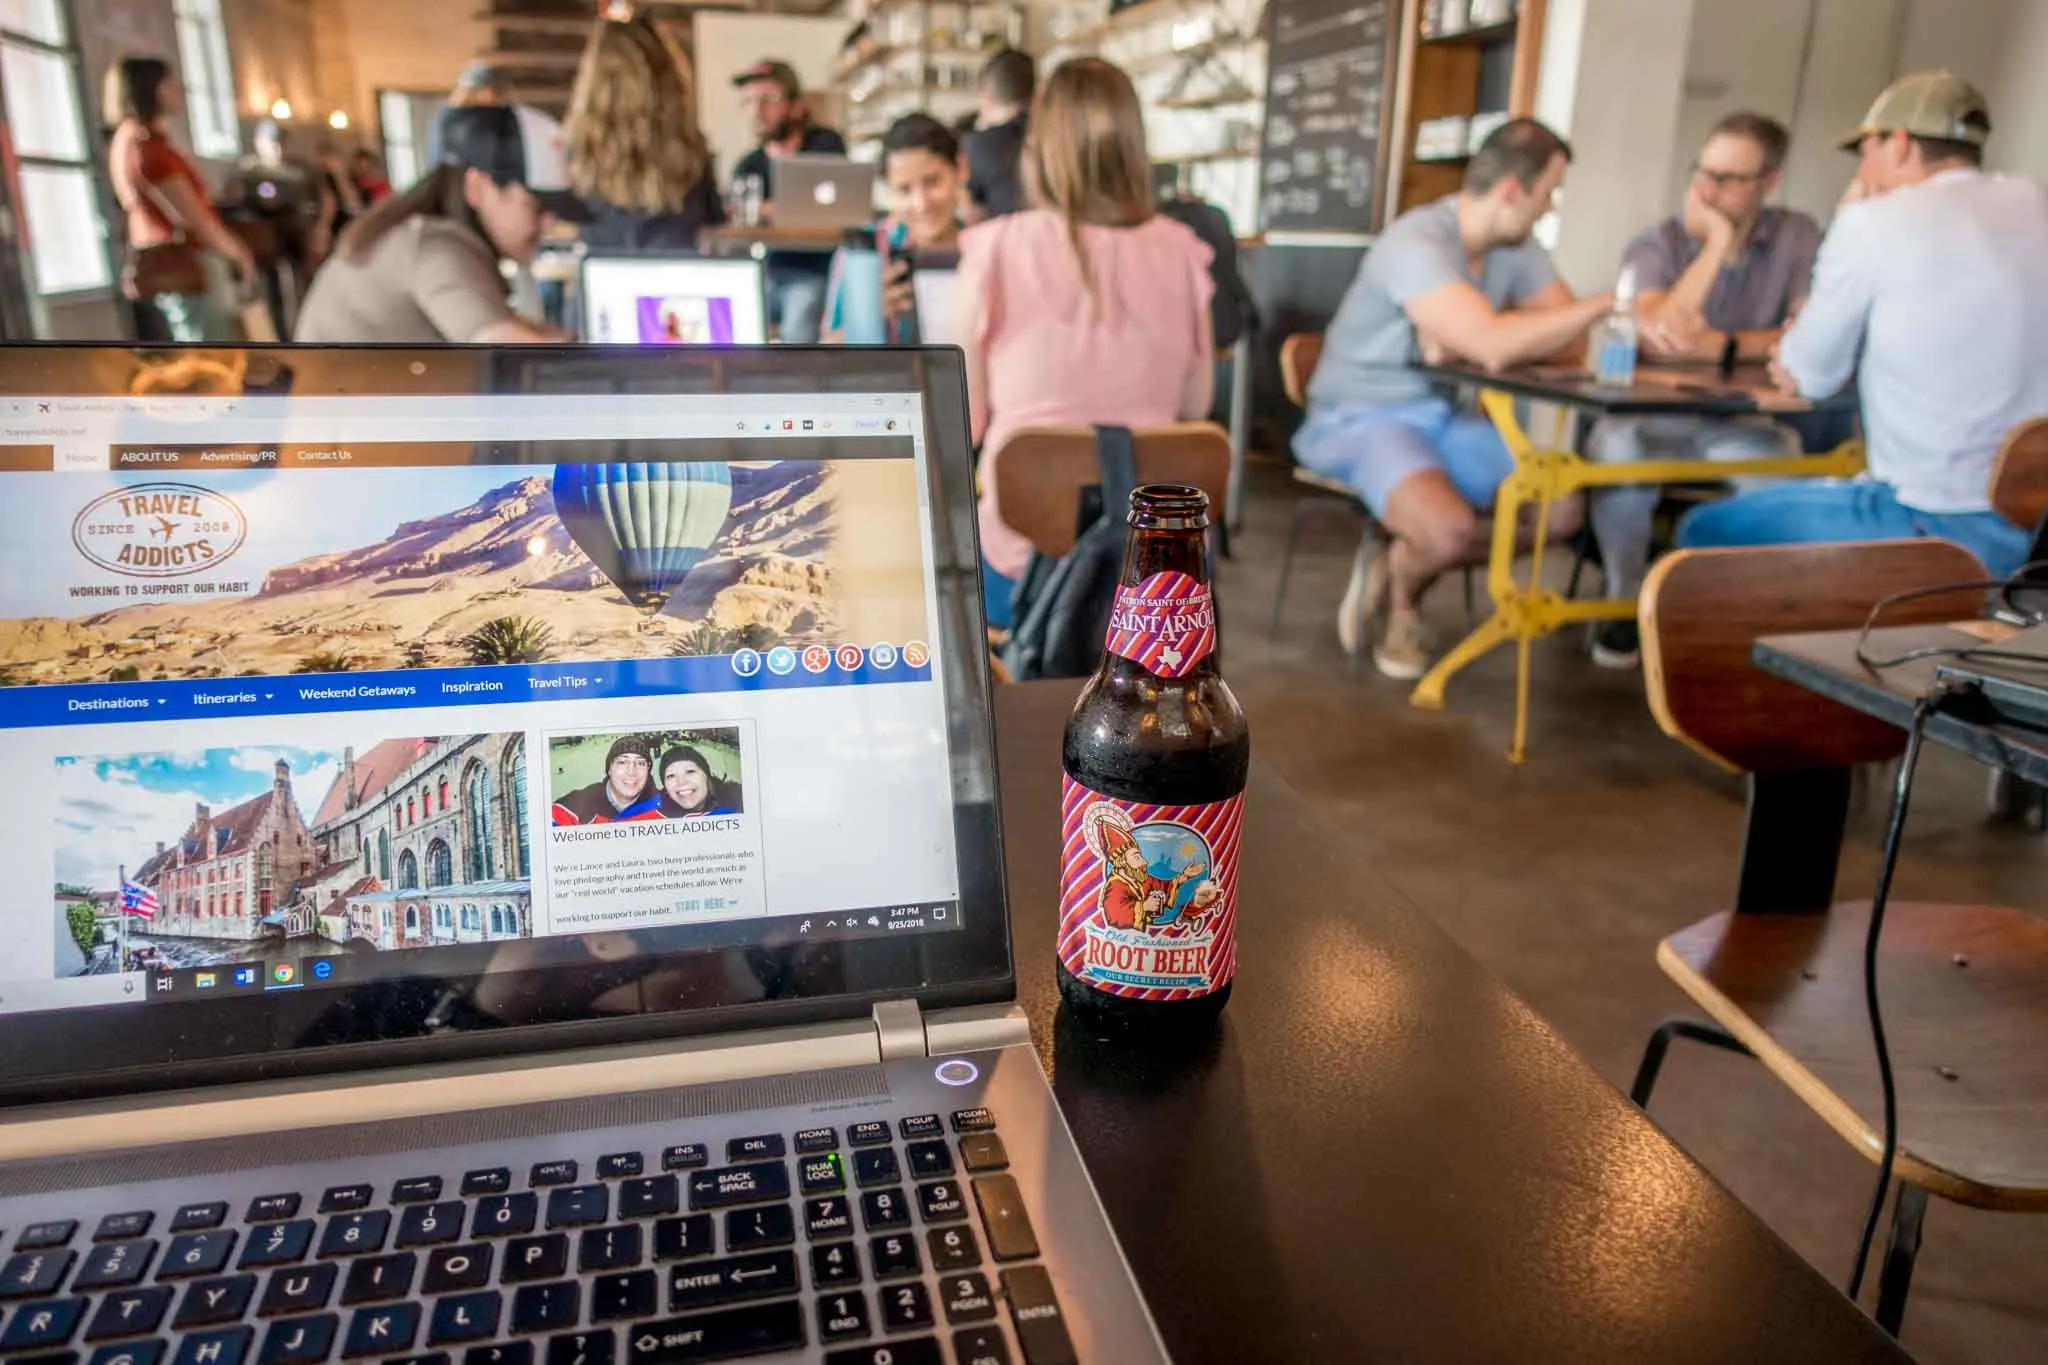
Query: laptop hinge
x=899 y=1025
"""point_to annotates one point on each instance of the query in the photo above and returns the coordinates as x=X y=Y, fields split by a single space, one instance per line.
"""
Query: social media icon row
x=783 y=660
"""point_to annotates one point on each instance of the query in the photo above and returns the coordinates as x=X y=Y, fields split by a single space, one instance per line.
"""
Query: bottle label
x=1148 y=894
x=1166 y=623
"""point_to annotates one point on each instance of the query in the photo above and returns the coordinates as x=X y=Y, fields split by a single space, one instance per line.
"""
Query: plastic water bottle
x=1616 y=362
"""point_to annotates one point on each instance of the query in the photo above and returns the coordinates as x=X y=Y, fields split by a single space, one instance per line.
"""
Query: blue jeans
x=1376 y=449
x=998 y=597
x=796 y=305
x=1818 y=512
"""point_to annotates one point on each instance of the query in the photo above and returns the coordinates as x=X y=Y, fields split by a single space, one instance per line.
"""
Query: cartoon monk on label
x=1132 y=897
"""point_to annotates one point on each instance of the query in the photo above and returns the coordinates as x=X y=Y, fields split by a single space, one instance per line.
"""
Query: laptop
x=507 y=871
x=821 y=191
x=933 y=273
x=672 y=300
x=2010 y=679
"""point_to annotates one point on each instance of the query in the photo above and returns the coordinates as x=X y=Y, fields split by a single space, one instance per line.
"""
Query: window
x=384 y=856
x=60 y=203
x=444 y=793
x=497 y=920
x=408 y=871
x=412 y=919
x=209 y=81
x=476 y=812
x=516 y=784
x=440 y=864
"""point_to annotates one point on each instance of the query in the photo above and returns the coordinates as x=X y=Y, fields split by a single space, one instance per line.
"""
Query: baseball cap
x=514 y=144
x=1936 y=104
x=782 y=73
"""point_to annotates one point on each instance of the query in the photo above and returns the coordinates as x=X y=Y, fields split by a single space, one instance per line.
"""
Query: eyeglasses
x=1722 y=180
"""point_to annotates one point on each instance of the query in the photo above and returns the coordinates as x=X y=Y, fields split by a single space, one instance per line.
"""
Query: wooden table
x=1382 y=1154
x=1525 y=613
x=735 y=240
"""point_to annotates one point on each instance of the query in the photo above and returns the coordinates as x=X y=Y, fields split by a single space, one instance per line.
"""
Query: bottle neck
x=1172 y=546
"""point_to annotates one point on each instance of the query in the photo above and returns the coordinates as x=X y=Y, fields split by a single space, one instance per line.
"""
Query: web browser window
x=294 y=690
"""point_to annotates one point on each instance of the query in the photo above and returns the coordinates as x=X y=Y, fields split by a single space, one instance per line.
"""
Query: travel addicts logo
x=159 y=530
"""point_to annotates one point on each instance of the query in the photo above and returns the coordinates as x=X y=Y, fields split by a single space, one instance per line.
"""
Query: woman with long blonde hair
x=1088 y=307
x=636 y=153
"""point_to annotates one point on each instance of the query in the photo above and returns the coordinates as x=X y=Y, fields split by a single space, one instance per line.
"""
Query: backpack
x=1232 y=310
x=1061 y=610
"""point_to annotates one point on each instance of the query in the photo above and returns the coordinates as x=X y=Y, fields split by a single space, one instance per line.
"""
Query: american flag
x=138 y=900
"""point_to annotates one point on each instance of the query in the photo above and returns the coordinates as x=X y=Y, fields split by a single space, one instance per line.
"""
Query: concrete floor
x=1563 y=875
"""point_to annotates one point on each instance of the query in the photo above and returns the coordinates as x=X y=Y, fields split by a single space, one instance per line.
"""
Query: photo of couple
x=659 y=775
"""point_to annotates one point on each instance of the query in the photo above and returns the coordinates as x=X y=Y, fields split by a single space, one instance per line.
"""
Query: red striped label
x=1148 y=894
x=1167 y=623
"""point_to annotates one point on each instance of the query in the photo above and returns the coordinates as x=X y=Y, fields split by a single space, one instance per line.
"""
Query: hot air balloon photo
x=645 y=525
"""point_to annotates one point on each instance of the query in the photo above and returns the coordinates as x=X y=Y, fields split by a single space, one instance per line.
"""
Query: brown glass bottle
x=1155 y=759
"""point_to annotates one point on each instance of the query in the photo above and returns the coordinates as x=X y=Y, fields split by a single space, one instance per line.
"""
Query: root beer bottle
x=1152 y=796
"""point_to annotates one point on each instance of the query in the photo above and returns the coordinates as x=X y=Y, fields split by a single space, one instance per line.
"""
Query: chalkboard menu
x=1328 y=63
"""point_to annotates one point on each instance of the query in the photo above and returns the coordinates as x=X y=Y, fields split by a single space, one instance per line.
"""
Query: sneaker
x=1403 y=651
x=1618 y=645
x=1364 y=595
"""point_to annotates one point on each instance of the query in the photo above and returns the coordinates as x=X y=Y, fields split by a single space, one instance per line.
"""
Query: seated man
x=1936 y=274
x=1458 y=279
x=1717 y=282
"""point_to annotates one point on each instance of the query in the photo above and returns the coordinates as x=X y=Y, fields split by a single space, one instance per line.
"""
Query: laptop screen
x=671 y=301
x=439 y=681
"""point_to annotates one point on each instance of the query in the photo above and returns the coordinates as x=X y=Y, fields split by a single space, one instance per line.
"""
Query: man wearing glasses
x=1719 y=281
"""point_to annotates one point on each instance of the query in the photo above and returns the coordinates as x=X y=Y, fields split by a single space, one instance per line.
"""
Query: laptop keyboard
x=882 y=1244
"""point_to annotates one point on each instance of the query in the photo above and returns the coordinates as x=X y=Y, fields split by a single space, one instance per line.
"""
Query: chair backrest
x=1299 y=355
x=2019 y=481
x=1701 y=610
x=1040 y=471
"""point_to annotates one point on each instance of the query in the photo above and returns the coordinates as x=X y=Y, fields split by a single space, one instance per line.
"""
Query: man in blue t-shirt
x=1457 y=280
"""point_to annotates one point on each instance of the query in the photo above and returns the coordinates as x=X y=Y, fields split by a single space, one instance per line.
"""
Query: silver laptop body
x=816 y=191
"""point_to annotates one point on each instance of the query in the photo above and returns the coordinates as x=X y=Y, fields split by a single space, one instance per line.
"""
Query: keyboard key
x=299 y=1289
x=114 y=1264
x=424 y=1225
x=814 y=1140
x=46 y=1322
x=495 y=1180
x=504 y=1353
x=129 y=1313
x=975 y=1120
x=650 y=1197
x=967 y=1298
x=355 y=1234
x=347 y=1198
x=683 y=1239
x=272 y=1208
x=941 y=1202
x=916 y=1351
x=277 y=1244
x=867 y=1134
x=547 y=1173
x=455 y=1268
x=528 y=1259
x=763 y=1182
x=743 y=1149
x=635 y=1294
x=465 y=1317
x=546 y=1307
x=922 y=1126
x=687 y=1156
x=759 y=1229
x=612 y=1248
x=229 y=1346
x=43 y=1236
x=424 y=1358
x=215 y=1302
x=196 y=1253
x=953 y=1248
x=755 y=1329
x=381 y=1331
x=906 y=1307
x=504 y=1215
x=579 y=1206
x=299 y=1341
x=835 y=1265
x=599 y=1347
x=377 y=1278
x=1010 y=1237
x=45 y=1358
x=884 y=1209
x=32 y=1274
x=199 y=1217
x=731 y=1280
x=1041 y=1326
x=821 y=1174
x=983 y=1152
x=981 y=1346
x=843 y=1315
x=876 y=1166
x=619 y=1165
x=120 y=1227
x=828 y=1217
x=895 y=1255
x=420 y=1189
x=928 y=1159
x=129 y=1353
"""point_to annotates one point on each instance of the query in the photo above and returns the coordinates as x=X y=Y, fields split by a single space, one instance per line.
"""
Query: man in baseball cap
x=514 y=144
x=773 y=98
x=1932 y=293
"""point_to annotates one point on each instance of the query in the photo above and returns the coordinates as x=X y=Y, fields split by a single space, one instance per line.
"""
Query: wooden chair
x=2019 y=481
x=1299 y=355
x=1040 y=472
x=1780 y=974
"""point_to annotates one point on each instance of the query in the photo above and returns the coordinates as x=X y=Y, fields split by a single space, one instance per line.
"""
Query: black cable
x=2005 y=587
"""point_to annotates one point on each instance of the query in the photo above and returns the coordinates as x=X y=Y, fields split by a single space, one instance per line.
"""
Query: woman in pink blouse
x=1089 y=306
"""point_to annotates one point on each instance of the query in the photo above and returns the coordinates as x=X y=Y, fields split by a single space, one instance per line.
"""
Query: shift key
x=1010 y=1236
x=753 y=1330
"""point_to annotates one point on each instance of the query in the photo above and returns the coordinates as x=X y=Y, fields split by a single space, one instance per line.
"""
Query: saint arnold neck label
x=1167 y=623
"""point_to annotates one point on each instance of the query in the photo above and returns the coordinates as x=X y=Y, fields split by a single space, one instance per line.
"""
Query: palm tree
x=708 y=638
x=324 y=661
x=509 y=640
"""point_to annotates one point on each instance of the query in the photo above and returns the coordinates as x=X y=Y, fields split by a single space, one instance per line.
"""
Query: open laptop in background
x=821 y=191
x=526 y=866
x=650 y=300
x=933 y=273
